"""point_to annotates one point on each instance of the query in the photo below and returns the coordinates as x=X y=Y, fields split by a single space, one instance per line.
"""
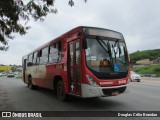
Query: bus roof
x=72 y=31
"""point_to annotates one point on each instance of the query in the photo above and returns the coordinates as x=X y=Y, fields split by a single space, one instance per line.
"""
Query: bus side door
x=74 y=67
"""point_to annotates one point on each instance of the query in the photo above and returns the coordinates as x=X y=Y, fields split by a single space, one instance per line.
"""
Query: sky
x=137 y=20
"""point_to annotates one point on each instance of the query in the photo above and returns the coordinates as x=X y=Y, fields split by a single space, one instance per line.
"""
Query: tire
x=60 y=91
x=30 y=85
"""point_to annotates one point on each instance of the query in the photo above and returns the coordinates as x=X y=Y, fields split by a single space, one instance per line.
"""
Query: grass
x=150 y=69
x=145 y=54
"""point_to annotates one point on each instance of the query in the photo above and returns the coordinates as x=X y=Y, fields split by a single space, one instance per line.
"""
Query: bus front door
x=74 y=66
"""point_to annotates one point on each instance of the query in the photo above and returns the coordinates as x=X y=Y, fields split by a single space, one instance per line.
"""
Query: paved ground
x=16 y=96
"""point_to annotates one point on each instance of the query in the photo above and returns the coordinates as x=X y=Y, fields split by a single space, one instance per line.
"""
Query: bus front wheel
x=60 y=91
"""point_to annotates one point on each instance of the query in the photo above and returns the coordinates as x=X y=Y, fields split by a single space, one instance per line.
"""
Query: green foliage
x=12 y=12
x=151 y=69
x=146 y=54
x=156 y=69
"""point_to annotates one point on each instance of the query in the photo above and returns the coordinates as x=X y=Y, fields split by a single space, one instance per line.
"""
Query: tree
x=15 y=14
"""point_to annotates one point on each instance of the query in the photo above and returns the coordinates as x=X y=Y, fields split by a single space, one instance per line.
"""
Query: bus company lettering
x=106 y=83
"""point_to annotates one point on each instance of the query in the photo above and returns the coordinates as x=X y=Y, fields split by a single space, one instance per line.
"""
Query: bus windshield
x=106 y=55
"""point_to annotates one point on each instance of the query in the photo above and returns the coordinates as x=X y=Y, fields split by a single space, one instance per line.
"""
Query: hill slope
x=146 y=54
x=149 y=69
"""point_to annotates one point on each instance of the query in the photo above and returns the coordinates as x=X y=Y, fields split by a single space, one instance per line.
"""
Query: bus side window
x=35 y=58
x=44 y=56
x=30 y=60
x=59 y=51
x=38 y=56
x=55 y=52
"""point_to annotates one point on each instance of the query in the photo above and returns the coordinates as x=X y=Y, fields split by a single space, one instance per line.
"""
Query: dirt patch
x=151 y=79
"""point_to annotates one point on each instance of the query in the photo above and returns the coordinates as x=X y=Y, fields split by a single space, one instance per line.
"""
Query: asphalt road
x=16 y=96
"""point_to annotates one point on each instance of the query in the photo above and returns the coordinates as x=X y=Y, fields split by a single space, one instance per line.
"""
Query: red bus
x=85 y=62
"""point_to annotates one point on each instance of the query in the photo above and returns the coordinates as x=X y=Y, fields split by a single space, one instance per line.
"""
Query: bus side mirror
x=84 y=43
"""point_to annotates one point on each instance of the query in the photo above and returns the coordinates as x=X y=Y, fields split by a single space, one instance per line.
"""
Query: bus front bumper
x=91 y=91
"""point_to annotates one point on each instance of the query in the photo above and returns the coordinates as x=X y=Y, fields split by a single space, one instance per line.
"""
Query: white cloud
x=138 y=20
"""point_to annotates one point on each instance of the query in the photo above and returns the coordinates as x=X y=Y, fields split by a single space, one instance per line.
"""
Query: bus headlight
x=91 y=81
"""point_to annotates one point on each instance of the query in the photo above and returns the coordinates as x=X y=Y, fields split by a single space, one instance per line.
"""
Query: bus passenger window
x=30 y=58
x=59 y=51
x=35 y=58
x=39 y=55
x=44 y=56
x=77 y=53
x=55 y=52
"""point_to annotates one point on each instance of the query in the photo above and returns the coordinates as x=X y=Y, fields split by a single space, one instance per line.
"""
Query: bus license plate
x=115 y=93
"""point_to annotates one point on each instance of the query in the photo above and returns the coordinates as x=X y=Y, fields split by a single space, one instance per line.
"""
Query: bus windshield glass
x=106 y=55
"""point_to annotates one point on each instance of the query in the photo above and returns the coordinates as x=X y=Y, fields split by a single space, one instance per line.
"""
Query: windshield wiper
x=107 y=46
x=98 y=40
x=118 y=49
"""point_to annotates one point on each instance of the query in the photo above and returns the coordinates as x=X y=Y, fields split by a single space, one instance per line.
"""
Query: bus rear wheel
x=60 y=91
x=30 y=85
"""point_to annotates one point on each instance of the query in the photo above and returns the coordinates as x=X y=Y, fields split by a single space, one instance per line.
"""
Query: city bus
x=85 y=62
